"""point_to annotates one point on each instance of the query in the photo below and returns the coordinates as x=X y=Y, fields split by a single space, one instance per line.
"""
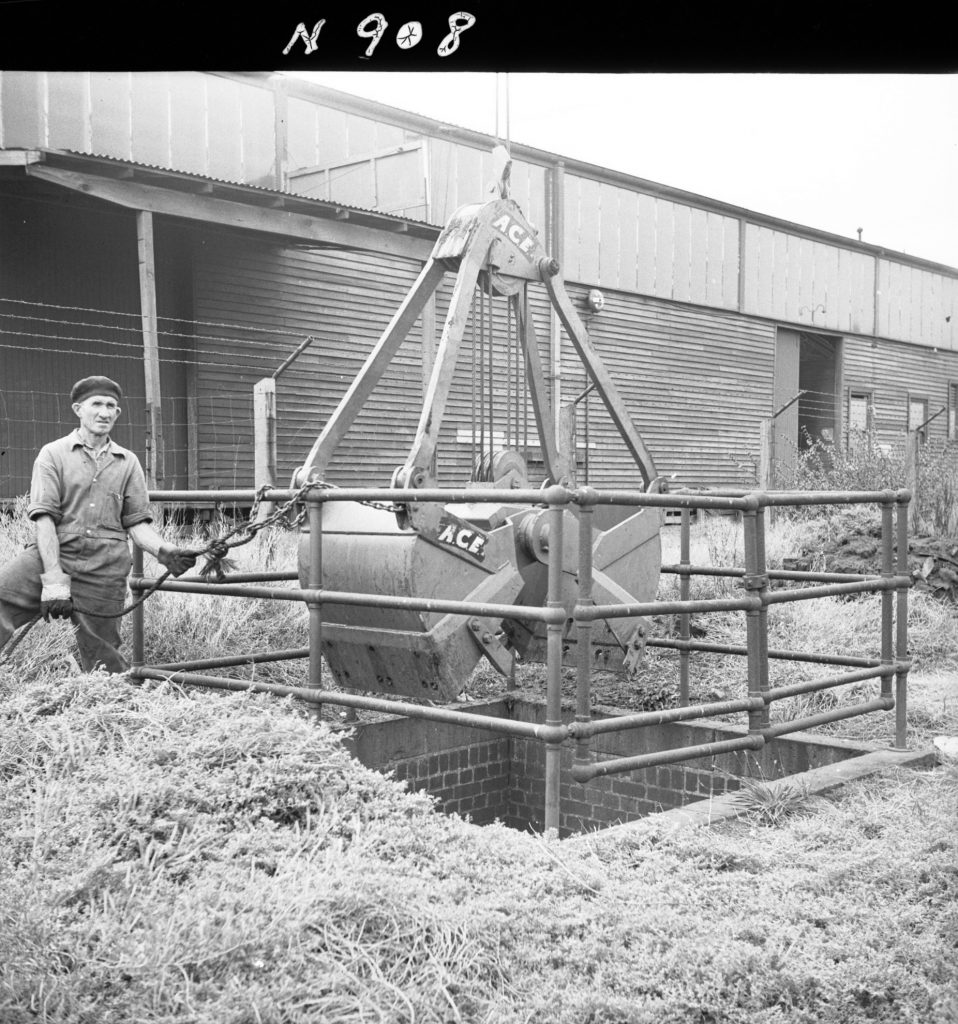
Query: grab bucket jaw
x=432 y=654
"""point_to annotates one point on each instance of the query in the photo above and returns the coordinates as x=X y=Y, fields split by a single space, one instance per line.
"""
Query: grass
x=191 y=858
x=197 y=858
x=826 y=625
x=181 y=626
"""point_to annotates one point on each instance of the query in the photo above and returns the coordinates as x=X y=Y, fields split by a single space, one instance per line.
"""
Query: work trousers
x=98 y=570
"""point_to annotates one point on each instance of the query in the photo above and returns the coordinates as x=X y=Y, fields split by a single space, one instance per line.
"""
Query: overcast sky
x=835 y=152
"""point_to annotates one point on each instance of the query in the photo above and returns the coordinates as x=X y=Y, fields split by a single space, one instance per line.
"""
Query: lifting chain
x=216 y=552
x=290 y=515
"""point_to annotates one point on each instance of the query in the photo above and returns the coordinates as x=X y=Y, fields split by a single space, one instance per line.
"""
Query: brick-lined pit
x=487 y=777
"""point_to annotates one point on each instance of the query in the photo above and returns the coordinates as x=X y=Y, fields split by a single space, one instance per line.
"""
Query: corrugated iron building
x=184 y=232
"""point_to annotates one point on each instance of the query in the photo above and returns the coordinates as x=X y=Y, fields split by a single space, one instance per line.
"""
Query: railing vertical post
x=887 y=598
x=554 y=667
x=901 y=621
x=315 y=582
x=685 y=620
x=137 y=614
x=583 y=705
x=756 y=619
x=760 y=522
x=264 y=438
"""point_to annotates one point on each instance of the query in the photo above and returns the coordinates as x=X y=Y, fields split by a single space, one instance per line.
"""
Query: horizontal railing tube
x=868 y=586
x=655 y=500
x=454 y=495
x=776 y=498
x=852 y=711
x=741 y=649
x=584 y=773
x=796 y=498
x=829 y=682
x=462 y=495
x=236 y=496
x=792 y=575
x=246 y=577
x=716 y=499
x=261 y=657
x=647 y=718
x=419 y=604
x=350 y=700
x=621 y=611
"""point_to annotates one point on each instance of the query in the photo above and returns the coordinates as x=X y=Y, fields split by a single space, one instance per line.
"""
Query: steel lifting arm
x=599 y=375
x=418 y=469
x=556 y=469
x=493 y=243
x=375 y=366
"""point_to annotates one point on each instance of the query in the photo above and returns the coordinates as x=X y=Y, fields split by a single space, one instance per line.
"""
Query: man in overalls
x=87 y=497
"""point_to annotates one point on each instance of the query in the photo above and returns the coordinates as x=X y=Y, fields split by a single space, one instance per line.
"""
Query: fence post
x=137 y=614
x=912 y=466
x=264 y=437
x=766 y=452
x=315 y=582
x=685 y=620
x=887 y=604
x=756 y=619
x=554 y=667
x=146 y=260
x=583 y=706
x=901 y=626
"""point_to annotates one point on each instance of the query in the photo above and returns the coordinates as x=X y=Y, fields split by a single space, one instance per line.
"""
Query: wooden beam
x=281 y=135
x=228 y=213
x=151 y=349
x=406 y=147
x=19 y=157
x=428 y=340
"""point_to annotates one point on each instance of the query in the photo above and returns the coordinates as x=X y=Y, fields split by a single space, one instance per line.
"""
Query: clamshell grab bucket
x=431 y=654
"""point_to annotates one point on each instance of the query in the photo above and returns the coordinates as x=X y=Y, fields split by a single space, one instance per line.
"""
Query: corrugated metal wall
x=917 y=306
x=693 y=295
x=186 y=121
x=893 y=373
x=462 y=174
x=802 y=281
x=696 y=384
x=69 y=307
x=273 y=297
x=320 y=136
x=617 y=238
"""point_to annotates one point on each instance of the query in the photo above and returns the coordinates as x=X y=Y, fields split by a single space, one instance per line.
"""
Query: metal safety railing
x=756 y=578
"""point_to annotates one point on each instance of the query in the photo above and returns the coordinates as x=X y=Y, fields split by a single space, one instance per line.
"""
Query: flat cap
x=95 y=386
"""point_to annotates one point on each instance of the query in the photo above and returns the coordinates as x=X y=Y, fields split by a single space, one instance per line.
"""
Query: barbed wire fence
x=208 y=367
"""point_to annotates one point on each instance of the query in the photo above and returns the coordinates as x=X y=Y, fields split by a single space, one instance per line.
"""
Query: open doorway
x=805 y=398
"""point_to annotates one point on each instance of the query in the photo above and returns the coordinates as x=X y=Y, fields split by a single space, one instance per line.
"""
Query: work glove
x=177 y=560
x=55 y=600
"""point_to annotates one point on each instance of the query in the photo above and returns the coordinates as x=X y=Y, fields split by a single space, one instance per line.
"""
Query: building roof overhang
x=314 y=222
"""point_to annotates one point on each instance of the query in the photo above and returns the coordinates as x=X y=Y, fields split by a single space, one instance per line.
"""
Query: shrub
x=864 y=464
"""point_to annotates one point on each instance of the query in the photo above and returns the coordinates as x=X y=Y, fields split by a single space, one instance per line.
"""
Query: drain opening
x=487 y=778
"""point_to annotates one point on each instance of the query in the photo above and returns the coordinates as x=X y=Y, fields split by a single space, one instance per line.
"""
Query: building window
x=917 y=416
x=953 y=412
x=859 y=411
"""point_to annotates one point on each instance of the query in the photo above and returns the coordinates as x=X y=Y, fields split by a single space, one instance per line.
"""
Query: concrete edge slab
x=711 y=811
